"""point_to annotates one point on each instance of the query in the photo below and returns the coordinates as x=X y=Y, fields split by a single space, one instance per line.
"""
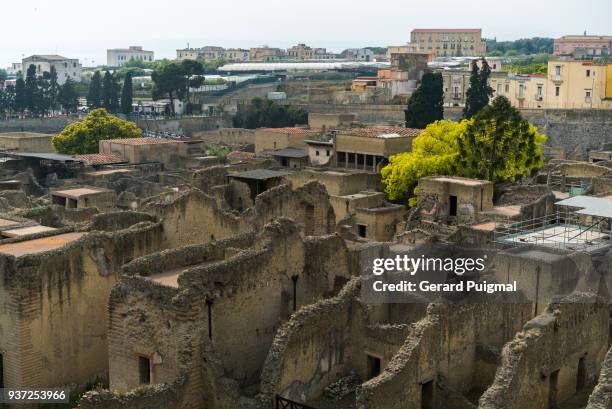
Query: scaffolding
x=567 y=228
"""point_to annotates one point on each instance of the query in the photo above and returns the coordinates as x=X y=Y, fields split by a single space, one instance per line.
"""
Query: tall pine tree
x=127 y=94
x=477 y=96
x=94 y=95
x=20 y=97
x=107 y=91
x=32 y=97
x=426 y=104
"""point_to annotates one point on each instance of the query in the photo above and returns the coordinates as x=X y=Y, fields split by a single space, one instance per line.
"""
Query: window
x=587 y=94
x=557 y=91
x=317 y=153
x=499 y=88
x=558 y=70
x=588 y=73
x=452 y=199
x=507 y=88
x=327 y=152
x=144 y=370
x=539 y=93
x=361 y=230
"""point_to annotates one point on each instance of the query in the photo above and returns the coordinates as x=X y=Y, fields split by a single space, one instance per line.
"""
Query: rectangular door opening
x=427 y=395
x=373 y=366
x=452 y=200
x=552 y=389
x=144 y=370
x=581 y=374
x=361 y=230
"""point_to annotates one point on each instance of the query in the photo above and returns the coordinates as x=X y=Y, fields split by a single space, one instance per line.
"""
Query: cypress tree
x=31 y=90
x=94 y=95
x=426 y=104
x=127 y=95
x=20 y=98
x=477 y=96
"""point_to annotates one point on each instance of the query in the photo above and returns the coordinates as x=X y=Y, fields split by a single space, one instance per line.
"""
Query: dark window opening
x=210 y=328
x=427 y=395
x=581 y=374
x=452 y=205
x=361 y=230
x=373 y=366
x=552 y=389
x=284 y=162
x=144 y=370
x=294 y=279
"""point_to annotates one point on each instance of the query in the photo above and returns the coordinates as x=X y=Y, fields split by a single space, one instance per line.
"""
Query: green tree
x=43 y=101
x=68 y=97
x=499 y=145
x=84 y=136
x=127 y=94
x=169 y=81
x=94 y=95
x=434 y=152
x=110 y=93
x=265 y=113
x=54 y=89
x=477 y=96
x=7 y=99
x=194 y=71
x=32 y=96
x=20 y=95
x=426 y=104
x=3 y=74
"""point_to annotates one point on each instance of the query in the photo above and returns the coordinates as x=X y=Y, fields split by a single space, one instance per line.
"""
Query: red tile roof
x=293 y=131
x=375 y=131
x=101 y=158
x=142 y=141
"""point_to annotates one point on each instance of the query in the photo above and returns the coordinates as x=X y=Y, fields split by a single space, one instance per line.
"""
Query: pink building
x=592 y=45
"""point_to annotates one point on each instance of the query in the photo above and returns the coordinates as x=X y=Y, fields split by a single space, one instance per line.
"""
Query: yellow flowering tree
x=434 y=152
x=84 y=136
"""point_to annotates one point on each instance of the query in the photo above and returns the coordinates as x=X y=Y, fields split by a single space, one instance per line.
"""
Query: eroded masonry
x=153 y=276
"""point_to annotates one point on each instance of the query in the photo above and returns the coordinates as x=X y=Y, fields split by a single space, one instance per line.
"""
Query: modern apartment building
x=65 y=67
x=588 y=45
x=448 y=42
x=116 y=57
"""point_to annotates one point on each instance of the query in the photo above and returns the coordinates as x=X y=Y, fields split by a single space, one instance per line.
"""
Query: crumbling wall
x=308 y=352
x=308 y=206
x=194 y=217
x=601 y=398
x=56 y=302
x=234 y=298
x=541 y=366
x=442 y=347
x=113 y=221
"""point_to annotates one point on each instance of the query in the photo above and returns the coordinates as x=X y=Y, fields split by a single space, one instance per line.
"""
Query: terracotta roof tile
x=292 y=130
x=376 y=131
x=142 y=141
x=101 y=158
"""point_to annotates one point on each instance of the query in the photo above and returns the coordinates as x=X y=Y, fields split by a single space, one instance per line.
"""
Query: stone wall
x=443 y=346
x=42 y=125
x=543 y=365
x=189 y=126
x=601 y=398
x=53 y=316
x=245 y=293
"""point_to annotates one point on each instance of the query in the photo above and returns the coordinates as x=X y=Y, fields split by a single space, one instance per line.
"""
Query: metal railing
x=284 y=403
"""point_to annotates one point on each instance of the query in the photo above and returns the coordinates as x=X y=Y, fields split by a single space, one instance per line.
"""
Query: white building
x=14 y=69
x=65 y=67
x=359 y=54
x=116 y=57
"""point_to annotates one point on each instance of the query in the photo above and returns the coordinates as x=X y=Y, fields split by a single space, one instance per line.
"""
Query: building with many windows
x=116 y=57
x=212 y=53
x=448 y=42
x=586 y=45
x=578 y=84
x=300 y=52
x=65 y=67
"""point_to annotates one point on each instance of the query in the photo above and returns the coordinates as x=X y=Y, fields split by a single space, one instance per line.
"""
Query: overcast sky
x=85 y=29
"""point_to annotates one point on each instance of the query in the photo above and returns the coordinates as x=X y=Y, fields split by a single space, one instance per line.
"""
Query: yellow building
x=523 y=91
x=578 y=84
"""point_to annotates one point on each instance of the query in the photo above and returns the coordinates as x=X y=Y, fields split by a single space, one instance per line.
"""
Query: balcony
x=555 y=78
x=456 y=96
x=520 y=96
x=539 y=97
